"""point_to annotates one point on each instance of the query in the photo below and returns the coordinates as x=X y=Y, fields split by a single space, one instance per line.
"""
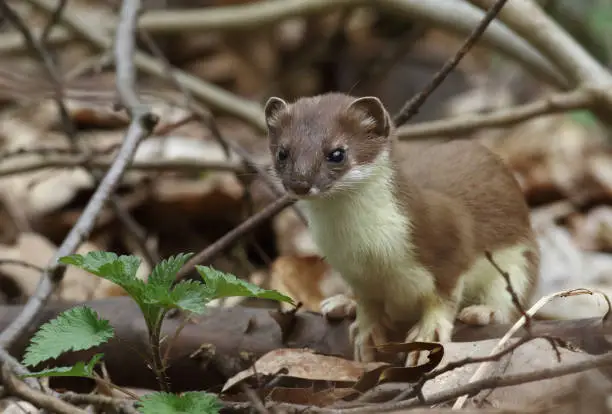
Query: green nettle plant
x=81 y=328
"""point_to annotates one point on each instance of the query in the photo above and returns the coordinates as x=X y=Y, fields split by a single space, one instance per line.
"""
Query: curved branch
x=581 y=98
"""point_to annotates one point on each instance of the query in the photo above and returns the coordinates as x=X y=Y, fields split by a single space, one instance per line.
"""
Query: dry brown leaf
x=304 y=364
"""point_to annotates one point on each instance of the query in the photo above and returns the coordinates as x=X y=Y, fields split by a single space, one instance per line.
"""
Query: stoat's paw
x=338 y=307
x=428 y=330
x=365 y=341
x=481 y=315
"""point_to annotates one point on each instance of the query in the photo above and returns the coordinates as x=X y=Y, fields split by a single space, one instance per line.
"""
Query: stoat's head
x=326 y=144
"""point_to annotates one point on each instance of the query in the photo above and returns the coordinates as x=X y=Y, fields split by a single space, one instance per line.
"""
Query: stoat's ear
x=272 y=109
x=375 y=117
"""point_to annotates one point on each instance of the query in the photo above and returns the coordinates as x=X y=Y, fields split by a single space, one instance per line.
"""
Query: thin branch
x=83 y=161
x=581 y=98
x=141 y=125
x=12 y=362
x=411 y=108
x=37 y=398
x=22 y=263
x=102 y=401
x=233 y=235
x=515 y=299
x=125 y=48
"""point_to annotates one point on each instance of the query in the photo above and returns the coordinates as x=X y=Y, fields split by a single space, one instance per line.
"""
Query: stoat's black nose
x=299 y=187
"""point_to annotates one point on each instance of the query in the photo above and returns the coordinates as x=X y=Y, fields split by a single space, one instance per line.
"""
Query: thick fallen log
x=224 y=341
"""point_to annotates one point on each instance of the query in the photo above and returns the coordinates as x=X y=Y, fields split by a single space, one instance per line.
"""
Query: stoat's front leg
x=435 y=325
x=367 y=332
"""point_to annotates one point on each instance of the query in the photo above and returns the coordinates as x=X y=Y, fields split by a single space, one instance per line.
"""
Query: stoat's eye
x=336 y=156
x=282 y=154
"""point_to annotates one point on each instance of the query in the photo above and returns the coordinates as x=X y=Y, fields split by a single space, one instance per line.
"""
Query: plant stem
x=96 y=377
x=159 y=368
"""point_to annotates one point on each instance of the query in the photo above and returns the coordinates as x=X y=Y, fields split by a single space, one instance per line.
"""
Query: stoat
x=409 y=236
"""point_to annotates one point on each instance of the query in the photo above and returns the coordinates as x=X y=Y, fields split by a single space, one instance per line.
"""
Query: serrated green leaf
x=191 y=402
x=187 y=295
x=75 y=329
x=105 y=264
x=80 y=369
x=164 y=273
x=120 y=270
x=225 y=285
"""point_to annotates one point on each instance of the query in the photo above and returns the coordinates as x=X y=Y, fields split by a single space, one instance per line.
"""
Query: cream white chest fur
x=363 y=234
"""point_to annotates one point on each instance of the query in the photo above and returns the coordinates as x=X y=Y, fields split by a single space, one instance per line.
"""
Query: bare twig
x=10 y=361
x=580 y=98
x=125 y=405
x=17 y=262
x=83 y=161
x=232 y=236
x=411 y=108
x=125 y=48
x=38 y=398
x=515 y=299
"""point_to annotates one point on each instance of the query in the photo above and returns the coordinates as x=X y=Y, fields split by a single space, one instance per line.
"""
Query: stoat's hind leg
x=487 y=289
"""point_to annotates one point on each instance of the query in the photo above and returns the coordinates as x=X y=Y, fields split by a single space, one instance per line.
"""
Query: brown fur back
x=464 y=201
